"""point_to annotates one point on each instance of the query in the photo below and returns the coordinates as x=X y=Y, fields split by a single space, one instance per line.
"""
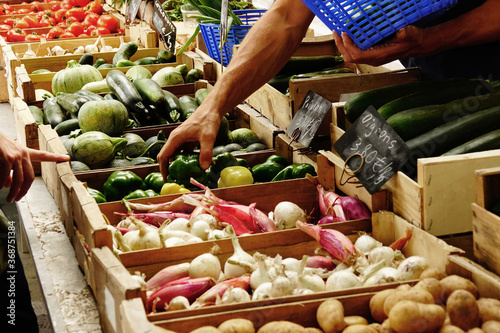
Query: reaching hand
x=17 y=159
x=406 y=43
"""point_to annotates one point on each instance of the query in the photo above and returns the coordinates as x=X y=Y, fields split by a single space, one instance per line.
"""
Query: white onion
x=379 y=253
x=178 y=303
x=291 y=264
x=286 y=213
x=146 y=237
x=365 y=243
x=174 y=241
x=179 y=224
x=281 y=286
x=262 y=292
x=200 y=229
x=209 y=218
x=205 y=264
x=342 y=280
x=412 y=267
x=384 y=275
x=235 y=295
x=240 y=262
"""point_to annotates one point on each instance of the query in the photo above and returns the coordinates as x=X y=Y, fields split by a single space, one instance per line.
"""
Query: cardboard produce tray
x=439 y=199
x=384 y=226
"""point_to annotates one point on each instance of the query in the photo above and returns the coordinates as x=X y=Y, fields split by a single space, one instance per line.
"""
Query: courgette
x=413 y=122
x=110 y=96
x=86 y=59
x=146 y=61
x=97 y=87
x=165 y=56
x=41 y=71
x=356 y=105
x=326 y=72
x=65 y=127
x=435 y=96
x=280 y=82
x=188 y=106
x=194 y=75
x=90 y=95
x=298 y=65
x=484 y=142
x=37 y=114
x=174 y=106
x=71 y=103
x=99 y=62
x=125 y=51
x=106 y=66
x=152 y=95
x=53 y=112
x=200 y=95
x=125 y=63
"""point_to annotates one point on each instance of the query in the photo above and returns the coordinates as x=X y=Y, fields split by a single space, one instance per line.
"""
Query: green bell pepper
x=294 y=171
x=183 y=168
x=120 y=183
x=138 y=194
x=266 y=171
x=220 y=162
x=154 y=181
x=96 y=194
x=235 y=176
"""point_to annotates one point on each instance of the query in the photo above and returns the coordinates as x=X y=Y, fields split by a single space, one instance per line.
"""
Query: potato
x=385 y=327
x=491 y=326
x=237 y=325
x=313 y=330
x=433 y=272
x=359 y=328
x=489 y=309
x=410 y=316
x=451 y=329
x=418 y=295
x=433 y=286
x=281 y=326
x=377 y=305
x=475 y=330
x=330 y=316
x=206 y=329
x=454 y=282
x=353 y=320
x=463 y=309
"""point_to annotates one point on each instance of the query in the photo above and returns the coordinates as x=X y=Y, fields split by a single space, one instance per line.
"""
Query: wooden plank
x=134 y=318
x=486 y=231
x=297 y=152
x=266 y=100
x=487 y=185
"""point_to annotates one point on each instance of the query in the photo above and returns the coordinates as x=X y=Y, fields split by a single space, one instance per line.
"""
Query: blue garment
x=480 y=61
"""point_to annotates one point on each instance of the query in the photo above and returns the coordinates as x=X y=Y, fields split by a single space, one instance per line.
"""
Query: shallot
x=240 y=262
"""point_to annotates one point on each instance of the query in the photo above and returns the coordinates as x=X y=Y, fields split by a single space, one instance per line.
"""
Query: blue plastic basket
x=235 y=35
x=369 y=21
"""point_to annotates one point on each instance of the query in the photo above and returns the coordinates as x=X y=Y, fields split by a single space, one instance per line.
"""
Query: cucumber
x=65 y=127
x=174 y=106
x=356 y=105
x=71 y=103
x=454 y=133
x=194 y=75
x=99 y=62
x=326 y=72
x=432 y=96
x=90 y=95
x=413 y=122
x=86 y=59
x=125 y=63
x=200 y=95
x=125 y=51
x=484 y=142
x=97 y=87
x=298 y=65
x=188 y=106
x=152 y=95
x=280 y=82
x=105 y=66
x=165 y=56
x=53 y=112
x=146 y=61
x=37 y=114
x=110 y=96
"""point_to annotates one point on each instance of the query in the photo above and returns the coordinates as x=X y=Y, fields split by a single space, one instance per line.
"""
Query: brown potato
x=330 y=316
x=385 y=327
x=475 y=330
x=410 y=316
x=491 y=326
x=489 y=309
x=433 y=272
x=463 y=309
x=359 y=328
x=353 y=320
x=377 y=305
x=237 y=325
x=433 y=286
x=454 y=282
x=376 y=326
x=281 y=326
x=206 y=329
x=418 y=295
x=451 y=329
x=313 y=330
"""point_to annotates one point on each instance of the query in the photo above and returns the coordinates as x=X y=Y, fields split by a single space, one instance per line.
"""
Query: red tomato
x=82 y=3
x=71 y=19
x=47 y=22
x=60 y=15
x=76 y=28
x=77 y=12
x=24 y=11
x=73 y=3
x=91 y=19
x=7 y=7
x=5 y=27
x=120 y=31
x=21 y=24
x=16 y=35
x=55 y=7
x=62 y=24
x=88 y=30
x=32 y=21
x=66 y=5
x=100 y=31
x=94 y=7
x=32 y=37
x=108 y=21
x=83 y=35
x=55 y=32
x=9 y=21
x=67 y=34
x=36 y=7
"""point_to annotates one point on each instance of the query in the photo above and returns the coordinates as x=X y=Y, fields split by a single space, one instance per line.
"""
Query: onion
x=379 y=253
x=286 y=213
x=412 y=267
x=200 y=229
x=174 y=241
x=209 y=218
x=178 y=303
x=291 y=264
x=281 y=286
x=179 y=224
x=145 y=237
x=365 y=243
x=384 y=275
x=330 y=219
x=235 y=295
x=263 y=273
x=262 y=292
x=205 y=264
x=342 y=280
x=240 y=262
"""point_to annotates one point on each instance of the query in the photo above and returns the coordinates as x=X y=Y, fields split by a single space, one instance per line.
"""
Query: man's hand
x=16 y=170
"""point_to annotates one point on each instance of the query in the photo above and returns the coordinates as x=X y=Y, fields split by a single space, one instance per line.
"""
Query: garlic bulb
x=29 y=53
x=107 y=48
x=91 y=48
x=58 y=51
x=79 y=50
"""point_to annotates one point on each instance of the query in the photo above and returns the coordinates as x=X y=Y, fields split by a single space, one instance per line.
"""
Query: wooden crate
x=297 y=152
x=440 y=199
x=384 y=226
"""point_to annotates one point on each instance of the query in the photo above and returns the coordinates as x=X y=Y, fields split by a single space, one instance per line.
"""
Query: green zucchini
x=194 y=75
x=37 y=114
x=326 y=72
x=71 y=103
x=152 y=95
x=125 y=63
x=126 y=93
x=454 y=133
x=106 y=66
x=65 y=127
x=200 y=95
x=188 y=106
x=174 y=106
x=90 y=95
x=99 y=62
x=280 y=82
x=110 y=96
x=97 y=87
x=413 y=122
x=41 y=71
x=298 y=65
x=53 y=112
x=435 y=96
x=356 y=105
x=125 y=51
x=146 y=61
x=484 y=142
x=165 y=56
x=86 y=59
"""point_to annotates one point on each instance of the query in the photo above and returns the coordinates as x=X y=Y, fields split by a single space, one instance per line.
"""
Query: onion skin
x=168 y=274
x=354 y=208
x=330 y=219
x=318 y=261
x=156 y=218
x=210 y=296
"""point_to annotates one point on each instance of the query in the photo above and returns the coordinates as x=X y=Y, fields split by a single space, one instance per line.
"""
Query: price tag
x=308 y=118
x=132 y=9
x=165 y=28
x=372 y=150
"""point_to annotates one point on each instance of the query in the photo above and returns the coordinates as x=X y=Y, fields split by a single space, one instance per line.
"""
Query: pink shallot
x=156 y=218
x=210 y=296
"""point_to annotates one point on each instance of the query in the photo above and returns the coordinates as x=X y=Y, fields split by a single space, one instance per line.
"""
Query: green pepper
x=183 y=168
x=96 y=194
x=294 y=171
x=120 y=183
x=220 y=162
x=266 y=171
x=242 y=162
x=154 y=181
x=138 y=194
x=235 y=176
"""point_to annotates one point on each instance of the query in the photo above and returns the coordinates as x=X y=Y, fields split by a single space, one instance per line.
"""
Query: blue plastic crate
x=369 y=21
x=235 y=35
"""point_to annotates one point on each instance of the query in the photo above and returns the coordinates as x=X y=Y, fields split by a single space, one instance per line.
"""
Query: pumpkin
x=107 y=116
x=74 y=77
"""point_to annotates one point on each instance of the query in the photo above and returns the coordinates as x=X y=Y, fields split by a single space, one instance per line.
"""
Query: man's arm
x=267 y=47
x=480 y=25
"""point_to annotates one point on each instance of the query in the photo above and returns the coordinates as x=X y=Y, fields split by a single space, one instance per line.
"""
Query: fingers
x=340 y=45
x=44 y=156
x=22 y=178
x=167 y=151
x=28 y=177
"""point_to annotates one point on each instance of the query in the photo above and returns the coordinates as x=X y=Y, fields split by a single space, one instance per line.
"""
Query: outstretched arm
x=264 y=51
x=480 y=25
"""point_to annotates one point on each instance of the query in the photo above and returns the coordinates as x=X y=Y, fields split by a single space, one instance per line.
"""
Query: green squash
x=74 y=77
x=107 y=116
x=96 y=149
x=168 y=76
x=135 y=145
x=138 y=72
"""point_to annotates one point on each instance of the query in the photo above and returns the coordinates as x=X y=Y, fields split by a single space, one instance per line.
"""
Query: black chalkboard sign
x=132 y=9
x=165 y=28
x=372 y=149
x=306 y=121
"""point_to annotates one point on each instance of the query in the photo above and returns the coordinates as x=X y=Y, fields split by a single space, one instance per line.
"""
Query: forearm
x=266 y=48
